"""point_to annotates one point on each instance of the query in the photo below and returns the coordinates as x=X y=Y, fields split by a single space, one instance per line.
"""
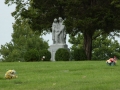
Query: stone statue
x=58 y=31
x=54 y=26
x=58 y=37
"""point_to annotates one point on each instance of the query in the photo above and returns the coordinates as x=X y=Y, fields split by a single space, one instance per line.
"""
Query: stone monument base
x=53 y=48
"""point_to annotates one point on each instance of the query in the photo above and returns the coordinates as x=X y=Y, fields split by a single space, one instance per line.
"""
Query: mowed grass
x=71 y=75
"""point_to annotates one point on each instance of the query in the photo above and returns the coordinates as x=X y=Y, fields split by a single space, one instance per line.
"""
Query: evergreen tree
x=23 y=40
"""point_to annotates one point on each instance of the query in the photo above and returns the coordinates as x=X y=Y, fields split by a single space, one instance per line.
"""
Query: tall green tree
x=23 y=40
x=24 y=36
x=86 y=16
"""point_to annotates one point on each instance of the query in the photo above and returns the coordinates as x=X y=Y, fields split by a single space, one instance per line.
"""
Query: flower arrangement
x=10 y=74
x=43 y=58
x=111 y=61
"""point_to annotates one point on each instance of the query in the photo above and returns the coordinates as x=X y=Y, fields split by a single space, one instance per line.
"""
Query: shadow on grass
x=18 y=82
x=2 y=78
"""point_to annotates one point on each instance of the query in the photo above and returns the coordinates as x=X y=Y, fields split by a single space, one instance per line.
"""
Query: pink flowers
x=112 y=61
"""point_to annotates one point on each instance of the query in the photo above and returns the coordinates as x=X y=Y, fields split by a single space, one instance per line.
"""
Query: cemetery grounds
x=70 y=75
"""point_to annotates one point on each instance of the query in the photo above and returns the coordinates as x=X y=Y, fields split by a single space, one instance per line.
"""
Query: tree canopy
x=24 y=40
x=86 y=16
x=103 y=46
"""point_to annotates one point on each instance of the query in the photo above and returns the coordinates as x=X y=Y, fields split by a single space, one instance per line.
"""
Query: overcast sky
x=6 y=21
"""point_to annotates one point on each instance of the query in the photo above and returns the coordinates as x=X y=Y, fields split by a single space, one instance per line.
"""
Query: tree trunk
x=88 y=45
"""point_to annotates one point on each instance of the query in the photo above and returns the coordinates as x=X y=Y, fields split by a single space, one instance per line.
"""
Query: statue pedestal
x=53 y=48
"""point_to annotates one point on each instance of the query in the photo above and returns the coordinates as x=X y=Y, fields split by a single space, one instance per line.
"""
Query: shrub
x=79 y=54
x=45 y=53
x=62 y=55
x=31 y=55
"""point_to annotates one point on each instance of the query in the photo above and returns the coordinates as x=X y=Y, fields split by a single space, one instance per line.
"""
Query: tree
x=6 y=50
x=23 y=40
x=103 y=47
x=86 y=16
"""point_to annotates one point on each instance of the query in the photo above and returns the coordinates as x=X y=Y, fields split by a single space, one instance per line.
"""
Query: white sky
x=6 y=21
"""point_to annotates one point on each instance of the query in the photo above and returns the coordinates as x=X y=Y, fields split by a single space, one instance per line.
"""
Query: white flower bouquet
x=10 y=74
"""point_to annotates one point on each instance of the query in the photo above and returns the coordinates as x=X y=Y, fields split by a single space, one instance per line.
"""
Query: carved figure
x=58 y=31
x=54 y=26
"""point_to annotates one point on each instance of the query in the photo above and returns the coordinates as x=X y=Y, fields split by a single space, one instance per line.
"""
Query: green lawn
x=79 y=75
